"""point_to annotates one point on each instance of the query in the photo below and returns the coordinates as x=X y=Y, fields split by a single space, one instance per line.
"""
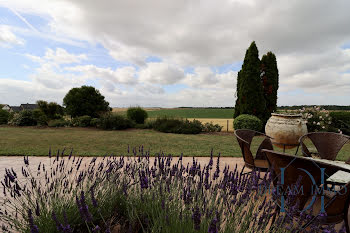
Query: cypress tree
x=269 y=78
x=250 y=96
x=237 y=107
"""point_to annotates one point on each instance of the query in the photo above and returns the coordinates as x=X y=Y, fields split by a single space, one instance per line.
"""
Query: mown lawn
x=94 y=142
x=88 y=141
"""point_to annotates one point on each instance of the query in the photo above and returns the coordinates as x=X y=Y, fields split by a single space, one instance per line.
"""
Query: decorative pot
x=285 y=129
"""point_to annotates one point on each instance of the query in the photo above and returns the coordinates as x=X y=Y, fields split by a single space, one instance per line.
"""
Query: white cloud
x=306 y=36
x=204 y=77
x=7 y=38
x=61 y=56
x=161 y=73
x=123 y=75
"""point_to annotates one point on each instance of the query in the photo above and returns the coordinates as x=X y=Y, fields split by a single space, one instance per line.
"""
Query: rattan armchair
x=327 y=144
x=244 y=138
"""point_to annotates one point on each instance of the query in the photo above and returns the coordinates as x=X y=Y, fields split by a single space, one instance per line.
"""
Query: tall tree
x=250 y=91
x=269 y=77
x=237 y=106
x=85 y=100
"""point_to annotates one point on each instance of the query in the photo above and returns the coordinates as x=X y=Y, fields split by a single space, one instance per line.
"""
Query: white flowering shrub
x=317 y=119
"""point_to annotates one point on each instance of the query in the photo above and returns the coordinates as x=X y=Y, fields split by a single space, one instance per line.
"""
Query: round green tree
x=85 y=100
x=137 y=114
x=250 y=91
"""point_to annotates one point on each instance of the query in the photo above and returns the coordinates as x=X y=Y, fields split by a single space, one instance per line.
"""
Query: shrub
x=180 y=126
x=82 y=121
x=317 y=119
x=137 y=114
x=52 y=110
x=210 y=127
x=341 y=121
x=114 y=121
x=4 y=116
x=95 y=122
x=246 y=121
x=58 y=123
x=23 y=118
x=39 y=117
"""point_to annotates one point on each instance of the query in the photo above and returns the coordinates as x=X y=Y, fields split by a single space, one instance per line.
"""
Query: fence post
x=227 y=126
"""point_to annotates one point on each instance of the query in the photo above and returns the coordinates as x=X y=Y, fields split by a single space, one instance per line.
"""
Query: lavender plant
x=137 y=193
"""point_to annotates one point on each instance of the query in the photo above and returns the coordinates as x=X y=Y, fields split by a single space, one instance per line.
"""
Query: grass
x=94 y=142
x=187 y=112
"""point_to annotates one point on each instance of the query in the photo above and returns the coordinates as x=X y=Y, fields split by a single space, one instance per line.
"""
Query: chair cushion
x=262 y=163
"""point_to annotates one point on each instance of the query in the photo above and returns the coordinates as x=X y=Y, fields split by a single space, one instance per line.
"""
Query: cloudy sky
x=171 y=53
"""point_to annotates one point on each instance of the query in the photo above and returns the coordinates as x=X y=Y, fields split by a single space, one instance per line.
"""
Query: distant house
x=20 y=108
x=29 y=106
x=6 y=107
x=15 y=109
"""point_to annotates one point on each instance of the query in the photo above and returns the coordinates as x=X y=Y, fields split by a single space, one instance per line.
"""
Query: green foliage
x=250 y=97
x=246 y=121
x=95 y=122
x=270 y=82
x=210 y=127
x=237 y=106
x=179 y=126
x=24 y=118
x=85 y=100
x=58 y=123
x=137 y=114
x=52 y=110
x=113 y=121
x=341 y=121
x=82 y=121
x=40 y=117
x=4 y=116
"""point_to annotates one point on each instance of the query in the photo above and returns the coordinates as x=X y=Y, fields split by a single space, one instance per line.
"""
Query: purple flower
x=196 y=217
x=143 y=180
x=93 y=199
x=83 y=208
x=33 y=227
x=37 y=209
x=96 y=229
x=212 y=226
x=59 y=226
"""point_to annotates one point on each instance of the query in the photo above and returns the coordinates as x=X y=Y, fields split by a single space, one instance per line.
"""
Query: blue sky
x=147 y=55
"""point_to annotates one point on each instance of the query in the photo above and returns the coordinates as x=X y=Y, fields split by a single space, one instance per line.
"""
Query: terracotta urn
x=285 y=129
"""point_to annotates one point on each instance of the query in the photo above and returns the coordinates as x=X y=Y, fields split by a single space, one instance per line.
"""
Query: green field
x=94 y=142
x=219 y=113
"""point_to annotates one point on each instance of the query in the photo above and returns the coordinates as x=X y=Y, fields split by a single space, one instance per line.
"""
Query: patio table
x=340 y=164
x=340 y=177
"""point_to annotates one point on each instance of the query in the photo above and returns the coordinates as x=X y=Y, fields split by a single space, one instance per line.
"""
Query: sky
x=171 y=53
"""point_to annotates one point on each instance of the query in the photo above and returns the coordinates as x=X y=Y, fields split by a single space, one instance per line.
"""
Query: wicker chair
x=327 y=144
x=336 y=207
x=244 y=138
